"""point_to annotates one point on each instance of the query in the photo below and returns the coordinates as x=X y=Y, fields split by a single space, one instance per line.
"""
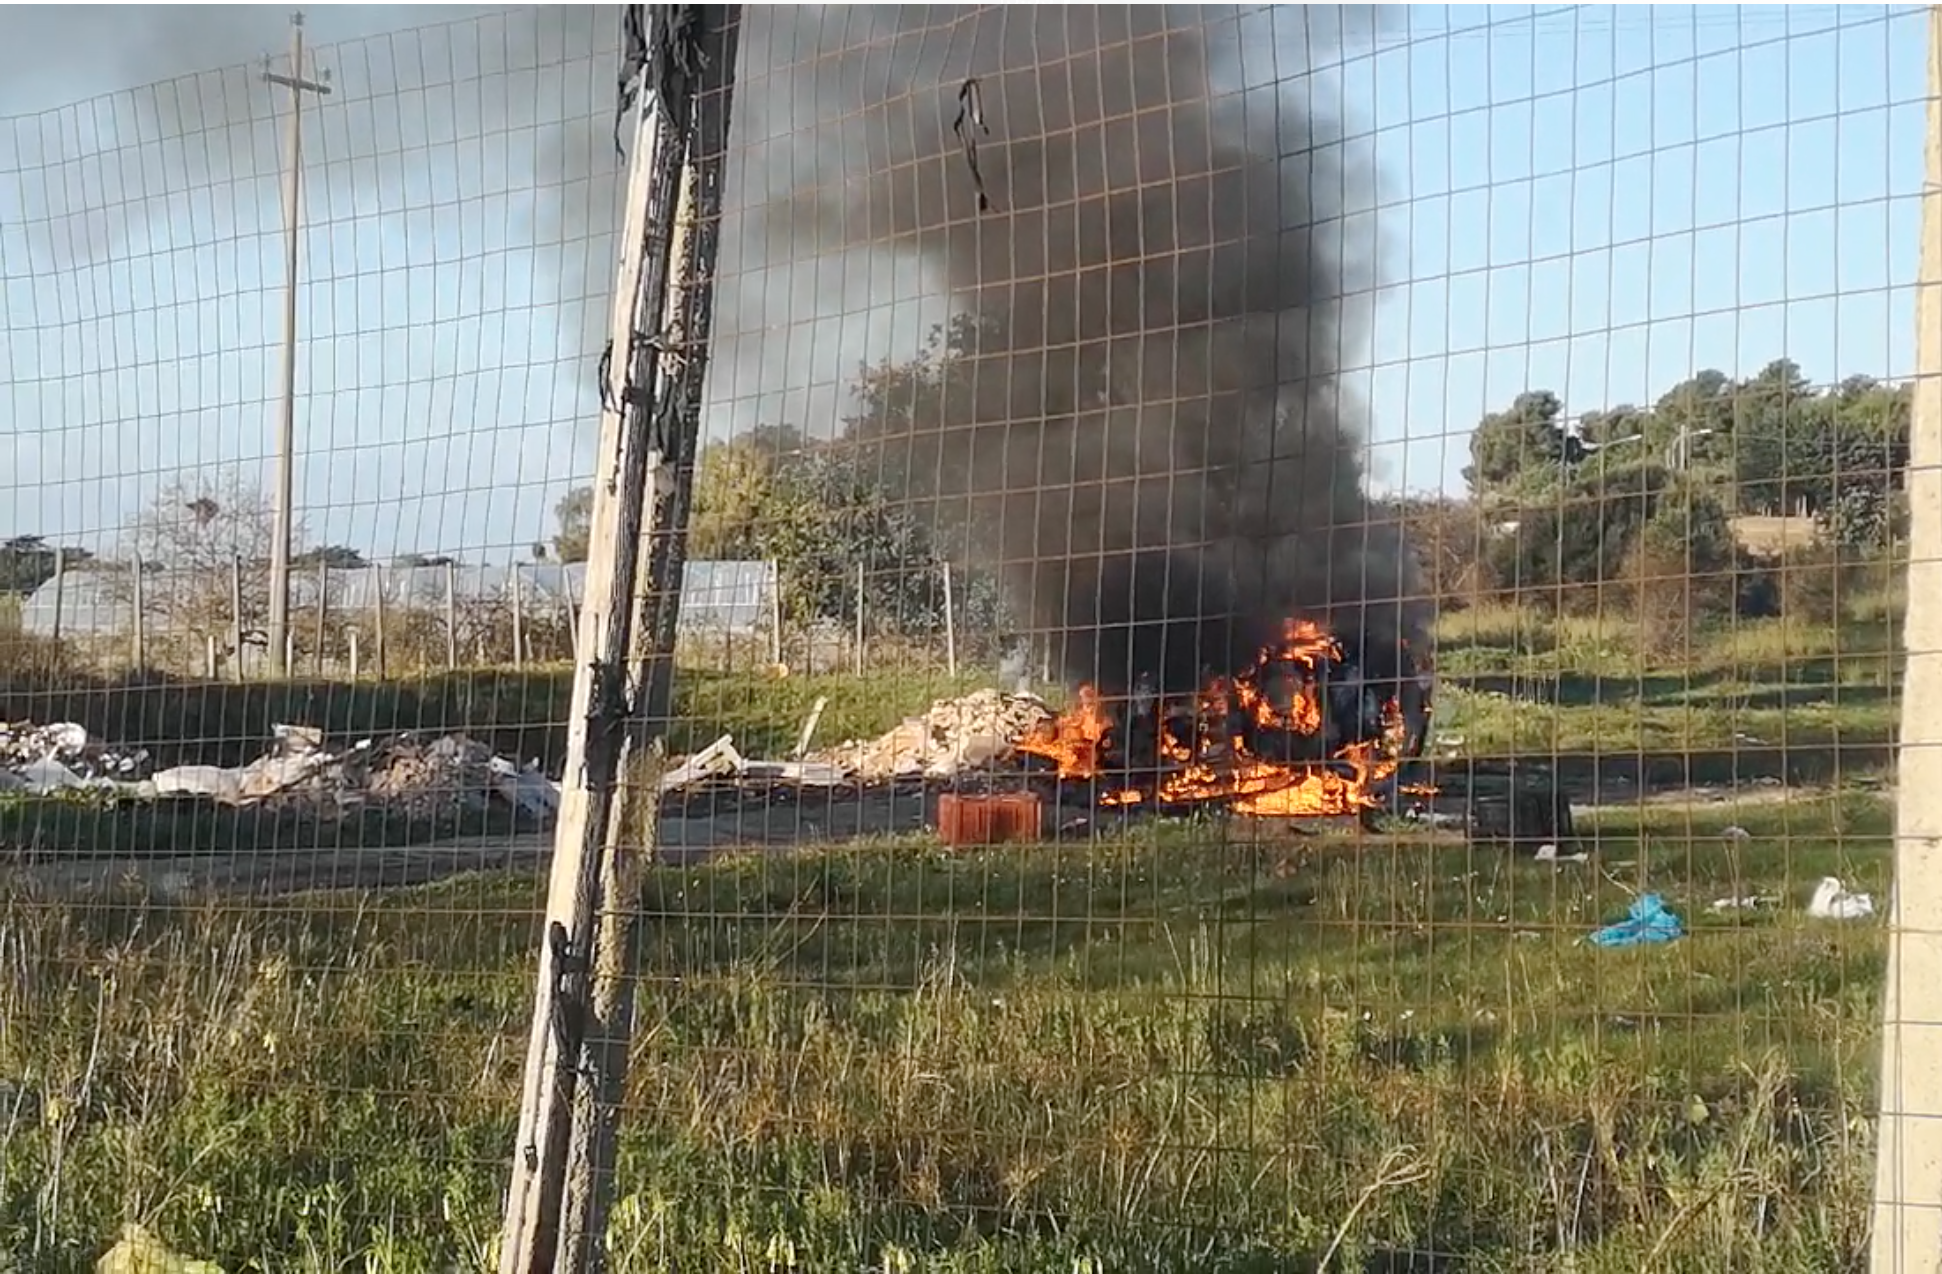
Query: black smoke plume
x=1148 y=436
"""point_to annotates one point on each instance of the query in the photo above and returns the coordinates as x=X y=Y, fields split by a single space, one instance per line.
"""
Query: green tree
x=574 y=517
x=1507 y=444
x=819 y=512
x=27 y=562
x=904 y=409
x=1624 y=425
x=1579 y=533
x=338 y=557
x=1680 y=570
x=1779 y=421
x=1691 y=426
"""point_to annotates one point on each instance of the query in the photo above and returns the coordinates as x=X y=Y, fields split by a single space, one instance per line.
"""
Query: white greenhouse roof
x=715 y=596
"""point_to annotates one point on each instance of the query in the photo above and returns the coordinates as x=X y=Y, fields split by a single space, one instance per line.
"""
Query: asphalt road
x=684 y=838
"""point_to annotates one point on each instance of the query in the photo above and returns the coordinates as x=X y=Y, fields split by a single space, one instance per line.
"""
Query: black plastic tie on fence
x=605 y=374
x=633 y=61
x=970 y=117
x=679 y=52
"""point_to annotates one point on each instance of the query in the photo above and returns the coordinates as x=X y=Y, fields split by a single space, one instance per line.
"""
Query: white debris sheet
x=420 y=777
x=954 y=735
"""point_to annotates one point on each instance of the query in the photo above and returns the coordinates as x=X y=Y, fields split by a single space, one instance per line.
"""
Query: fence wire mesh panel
x=1286 y=630
x=235 y=1014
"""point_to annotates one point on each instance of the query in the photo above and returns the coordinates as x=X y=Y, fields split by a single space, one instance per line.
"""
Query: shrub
x=1680 y=573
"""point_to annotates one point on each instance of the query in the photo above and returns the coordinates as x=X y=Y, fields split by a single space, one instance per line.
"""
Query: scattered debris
x=718 y=760
x=1647 y=922
x=1734 y=832
x=139 y=1252
x=414 y=776
x=453 y=774
x=954 y=735
x=296 y=757
x=1548 y=853
x=814 y=719
x=1832 y=901
x=1741 y=902
x=23 y=743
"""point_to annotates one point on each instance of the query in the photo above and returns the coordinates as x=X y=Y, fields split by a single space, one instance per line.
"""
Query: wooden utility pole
x=286 y=425
x=1908 y=1167
x=697 y=95
x=576 y=1056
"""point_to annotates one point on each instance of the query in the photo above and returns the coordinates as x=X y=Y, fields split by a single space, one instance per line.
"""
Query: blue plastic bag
x=1648 y=922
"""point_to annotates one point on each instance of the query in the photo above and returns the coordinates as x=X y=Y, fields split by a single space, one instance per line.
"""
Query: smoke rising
x=1149 y=438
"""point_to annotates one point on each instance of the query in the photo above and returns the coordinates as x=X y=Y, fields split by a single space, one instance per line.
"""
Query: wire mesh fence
x=1289 y=650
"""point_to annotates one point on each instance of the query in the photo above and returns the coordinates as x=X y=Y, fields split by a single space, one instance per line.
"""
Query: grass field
x=1160 y=1051
x=1170 y=1050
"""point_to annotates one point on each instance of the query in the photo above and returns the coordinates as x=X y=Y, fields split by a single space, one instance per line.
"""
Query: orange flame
x=1215 y=765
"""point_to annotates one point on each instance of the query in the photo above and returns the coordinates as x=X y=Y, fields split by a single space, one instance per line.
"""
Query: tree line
x=1553 y=502
x=1772 y=444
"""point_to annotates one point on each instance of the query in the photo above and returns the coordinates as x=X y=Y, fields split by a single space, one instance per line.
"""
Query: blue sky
x=1593 y=200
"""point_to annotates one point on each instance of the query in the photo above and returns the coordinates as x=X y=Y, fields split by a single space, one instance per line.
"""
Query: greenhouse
x=716 y=597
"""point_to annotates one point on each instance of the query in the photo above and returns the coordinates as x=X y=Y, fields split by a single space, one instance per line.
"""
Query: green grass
x=1772 y=693
x=1169 y=1050
x=1164 y=1051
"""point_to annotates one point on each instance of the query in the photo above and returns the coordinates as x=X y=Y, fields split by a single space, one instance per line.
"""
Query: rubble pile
x=23 y=745
x=453 y=774
x=297 y=767
x=954 y=735
x=417 y=777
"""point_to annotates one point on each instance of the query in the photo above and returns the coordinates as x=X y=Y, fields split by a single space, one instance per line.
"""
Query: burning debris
x=1302 y=731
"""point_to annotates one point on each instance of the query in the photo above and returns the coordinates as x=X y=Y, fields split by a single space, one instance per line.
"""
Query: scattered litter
x=1647 y=922
x=718 y=760
x=139 y=1252
x=1736 y=833
x=1743 y=902
x=46 y=775
x=1831 y=901
x=1548 y=853
x=450 y=774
